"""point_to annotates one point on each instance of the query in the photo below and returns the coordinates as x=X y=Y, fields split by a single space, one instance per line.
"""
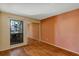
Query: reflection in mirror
x=16 y=32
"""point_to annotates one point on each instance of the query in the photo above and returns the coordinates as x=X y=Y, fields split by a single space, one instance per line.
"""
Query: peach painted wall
x=62 y=30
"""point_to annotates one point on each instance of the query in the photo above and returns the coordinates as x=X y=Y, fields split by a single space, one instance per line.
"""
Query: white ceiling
x=38 y=10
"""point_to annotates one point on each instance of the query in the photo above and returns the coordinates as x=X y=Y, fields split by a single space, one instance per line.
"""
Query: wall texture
x=62 y=30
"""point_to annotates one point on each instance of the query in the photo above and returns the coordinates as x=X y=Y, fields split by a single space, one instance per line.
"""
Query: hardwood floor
x=36 y=48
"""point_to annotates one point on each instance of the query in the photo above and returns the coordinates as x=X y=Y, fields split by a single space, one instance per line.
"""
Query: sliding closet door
x=35 y=31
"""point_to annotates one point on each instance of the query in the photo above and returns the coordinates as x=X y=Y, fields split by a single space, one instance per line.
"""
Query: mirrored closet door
x=16 y=32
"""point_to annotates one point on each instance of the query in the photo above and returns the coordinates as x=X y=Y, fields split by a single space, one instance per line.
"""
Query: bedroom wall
x=0 y=31
x=5 y=29
x=62 y=30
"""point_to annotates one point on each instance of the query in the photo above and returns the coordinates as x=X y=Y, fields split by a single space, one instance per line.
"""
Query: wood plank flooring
x=36 y=48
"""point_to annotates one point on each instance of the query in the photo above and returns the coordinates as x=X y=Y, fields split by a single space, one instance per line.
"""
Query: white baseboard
x=13 y=46
x=61 y=47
